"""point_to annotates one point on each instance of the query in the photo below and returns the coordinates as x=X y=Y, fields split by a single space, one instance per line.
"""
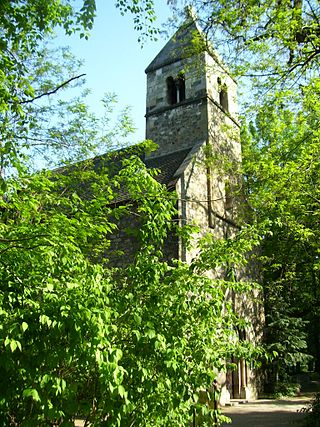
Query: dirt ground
x=267 y=412
x=262 y=413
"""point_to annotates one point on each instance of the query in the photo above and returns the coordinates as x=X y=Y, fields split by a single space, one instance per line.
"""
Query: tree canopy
x=31 y=73
x=276 y=39
x=273 y=49
x=79 y=337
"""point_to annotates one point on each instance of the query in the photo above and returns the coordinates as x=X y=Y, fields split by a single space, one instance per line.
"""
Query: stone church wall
x=125 y=244
x=180 y=125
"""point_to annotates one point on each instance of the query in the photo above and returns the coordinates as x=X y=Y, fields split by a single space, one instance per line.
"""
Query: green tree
x=23 y=77
x=273 y=48
x=270 y=39
x=31 y=74
x=134 y=346
x=282 y=169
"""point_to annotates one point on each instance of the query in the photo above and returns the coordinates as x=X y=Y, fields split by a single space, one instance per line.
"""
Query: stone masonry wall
x=124 y=243
x=177 y=126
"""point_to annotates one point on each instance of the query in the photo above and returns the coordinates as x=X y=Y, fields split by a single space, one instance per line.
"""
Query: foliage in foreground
x=283 y=176
x=118 y=347
x=312 y=412
x=275 y=46
x=77 y=338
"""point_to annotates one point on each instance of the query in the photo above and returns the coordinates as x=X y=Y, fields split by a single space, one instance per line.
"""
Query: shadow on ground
x=268 y=413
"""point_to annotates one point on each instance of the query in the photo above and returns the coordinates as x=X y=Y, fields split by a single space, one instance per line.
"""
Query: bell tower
x=190 y=94
x=191 y=113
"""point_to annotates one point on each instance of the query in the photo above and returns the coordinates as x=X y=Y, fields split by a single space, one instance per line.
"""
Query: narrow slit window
x=223 y=95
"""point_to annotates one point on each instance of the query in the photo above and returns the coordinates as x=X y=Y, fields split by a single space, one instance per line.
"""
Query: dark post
x=215 y=401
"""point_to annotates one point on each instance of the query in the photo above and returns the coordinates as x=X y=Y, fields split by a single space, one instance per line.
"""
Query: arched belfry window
x=176 y=89
x=223 y=95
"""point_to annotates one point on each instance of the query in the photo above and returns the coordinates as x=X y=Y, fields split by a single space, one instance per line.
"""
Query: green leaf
x=151 y=333
x=122 y=392
x=33 y=393
x=24 y=326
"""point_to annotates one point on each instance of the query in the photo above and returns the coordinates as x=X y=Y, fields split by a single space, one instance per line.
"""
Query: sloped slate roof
x=170 y=166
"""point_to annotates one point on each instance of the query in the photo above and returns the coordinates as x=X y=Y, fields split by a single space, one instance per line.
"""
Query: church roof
x=170 y=166
x=180 y=46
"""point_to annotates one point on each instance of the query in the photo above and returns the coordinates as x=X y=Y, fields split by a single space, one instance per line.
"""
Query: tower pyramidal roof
x=183 y=44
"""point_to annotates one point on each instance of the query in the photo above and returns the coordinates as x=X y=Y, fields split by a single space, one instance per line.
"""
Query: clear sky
x=115 y=61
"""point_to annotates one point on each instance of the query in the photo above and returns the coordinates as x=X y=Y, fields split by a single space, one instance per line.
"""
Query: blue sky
x=115 y=61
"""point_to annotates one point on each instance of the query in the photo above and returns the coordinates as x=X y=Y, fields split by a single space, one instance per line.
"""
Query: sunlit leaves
x=266 y=39
x=133 y=344
x=144 y=16
x=282 y=177
x=31 y=392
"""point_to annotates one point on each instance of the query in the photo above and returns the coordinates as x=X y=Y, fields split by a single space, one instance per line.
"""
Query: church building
x=191 y=114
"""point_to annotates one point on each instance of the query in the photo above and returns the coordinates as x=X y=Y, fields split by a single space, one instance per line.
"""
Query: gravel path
x=262 y=413
x=267 y=413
